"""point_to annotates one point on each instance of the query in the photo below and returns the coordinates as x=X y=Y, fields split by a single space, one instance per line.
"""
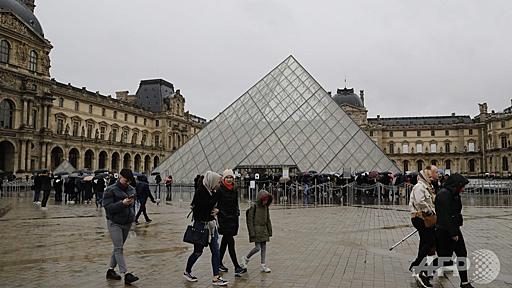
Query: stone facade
x=472 y=146
x=43 y=121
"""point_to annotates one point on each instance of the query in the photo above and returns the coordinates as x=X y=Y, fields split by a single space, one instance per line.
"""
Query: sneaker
x=245 y=261
x=137 y=222
x=130 y=278
x=112 y=275
x=467 y=285
x=239 y=271
x=149 y=221
x=219 y=282
x=189 y=277
x=265 y=269
x=223 y=268
x=423 y=280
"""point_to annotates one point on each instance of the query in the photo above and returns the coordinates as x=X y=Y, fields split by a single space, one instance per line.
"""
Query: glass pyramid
x=286 y=119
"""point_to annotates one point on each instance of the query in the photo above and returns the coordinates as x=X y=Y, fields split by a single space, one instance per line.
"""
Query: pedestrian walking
x=260 y=228
x=37 y=188
x=57 y=186
x=168 y=185
x=118 y=201
x=228 y=216
x=99 y=187
x=46 y=186
x=204 y=213
x=143 y=193
x=87 y=191
x=421 y=205
x=449 y=238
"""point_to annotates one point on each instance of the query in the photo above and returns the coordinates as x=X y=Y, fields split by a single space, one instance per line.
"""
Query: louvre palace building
x=43 y=121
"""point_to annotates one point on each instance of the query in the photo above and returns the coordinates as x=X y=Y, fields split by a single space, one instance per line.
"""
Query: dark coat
x=228 y=211
x=57 y=185
x=116 y=211
x=258 y=221
x=143 y=192
x=37 y=183
x=203 y=203
x=46 y=182
x=449 y=206
x=99 y=185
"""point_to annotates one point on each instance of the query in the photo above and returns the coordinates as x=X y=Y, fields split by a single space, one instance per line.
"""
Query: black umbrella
x=155 y=173
x=101 y=176
x=100 y=171
x=60 y=173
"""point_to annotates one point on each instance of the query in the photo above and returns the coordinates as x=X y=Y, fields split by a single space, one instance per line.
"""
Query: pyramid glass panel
x=285 y=119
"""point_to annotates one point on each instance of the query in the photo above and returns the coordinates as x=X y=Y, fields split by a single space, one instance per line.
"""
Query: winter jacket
x=143 y=192
x=228 y=211
x=116 y=211
x=422 y=197
x=203 y=203
x=449 y=205
x=258 y=220
x=46 y=182
x=99 y=185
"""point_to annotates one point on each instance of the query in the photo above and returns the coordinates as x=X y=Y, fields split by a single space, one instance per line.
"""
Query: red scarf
x=230 y=186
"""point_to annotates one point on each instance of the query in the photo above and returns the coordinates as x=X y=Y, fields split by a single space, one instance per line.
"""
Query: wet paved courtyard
x=69 y=246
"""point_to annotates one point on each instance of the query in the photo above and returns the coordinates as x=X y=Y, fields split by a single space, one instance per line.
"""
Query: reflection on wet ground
x=69 y=246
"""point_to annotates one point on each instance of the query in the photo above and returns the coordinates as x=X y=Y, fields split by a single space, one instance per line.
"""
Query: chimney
x=453 y=114
x=122 y=95
x=378 y=116
x=30 y=4
x=361 y=94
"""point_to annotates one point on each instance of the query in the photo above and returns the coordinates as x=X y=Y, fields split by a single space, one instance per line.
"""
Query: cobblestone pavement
x=69 y=246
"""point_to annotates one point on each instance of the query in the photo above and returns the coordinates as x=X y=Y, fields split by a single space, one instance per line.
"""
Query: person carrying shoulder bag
x=421 y=205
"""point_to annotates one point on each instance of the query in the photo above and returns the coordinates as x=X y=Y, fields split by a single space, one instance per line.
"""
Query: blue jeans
x=36 y=195
x=198 y=251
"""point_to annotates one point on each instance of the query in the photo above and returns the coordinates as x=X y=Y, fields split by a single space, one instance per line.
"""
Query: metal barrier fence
x=477 y=193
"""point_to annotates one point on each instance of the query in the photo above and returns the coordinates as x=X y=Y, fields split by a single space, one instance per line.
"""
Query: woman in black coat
x=228 y=219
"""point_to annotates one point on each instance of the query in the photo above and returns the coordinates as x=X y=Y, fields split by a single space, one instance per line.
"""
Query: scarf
x=230 y=186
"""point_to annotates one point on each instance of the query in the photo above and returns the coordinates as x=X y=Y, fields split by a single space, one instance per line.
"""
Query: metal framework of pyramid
x=286 y=119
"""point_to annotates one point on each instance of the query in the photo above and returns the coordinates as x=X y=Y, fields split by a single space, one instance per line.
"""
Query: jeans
x=198 y=251
x=36 y=195
x=118 y=234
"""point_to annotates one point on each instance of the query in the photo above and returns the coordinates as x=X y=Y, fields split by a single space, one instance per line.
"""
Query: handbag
x=430 y=220
x=196 y=236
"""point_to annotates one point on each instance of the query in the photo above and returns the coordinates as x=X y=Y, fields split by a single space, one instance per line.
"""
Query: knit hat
x=228 y=172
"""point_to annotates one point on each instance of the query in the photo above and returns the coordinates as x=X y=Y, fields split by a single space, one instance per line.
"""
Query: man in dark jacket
x=449 y=237
x=99 y=187
x=118 y=201
x=46 y=186
x=143 y=192
x=57 y=186
x=37 y=188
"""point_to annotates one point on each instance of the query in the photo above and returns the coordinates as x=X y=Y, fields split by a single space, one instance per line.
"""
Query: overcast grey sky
x=411 y=57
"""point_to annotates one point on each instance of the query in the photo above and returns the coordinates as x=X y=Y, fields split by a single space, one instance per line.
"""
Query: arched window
x=5 y=51
x=406 y=165
x=419 y=165
x=6 y=114
x=448 y=164
x=32 y=61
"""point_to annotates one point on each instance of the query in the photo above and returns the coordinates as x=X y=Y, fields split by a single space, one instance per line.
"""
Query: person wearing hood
x=204 y=213
x=229 y=212
x=259 y=227
x=118 y=201
x=449 y=238
x=421 y=204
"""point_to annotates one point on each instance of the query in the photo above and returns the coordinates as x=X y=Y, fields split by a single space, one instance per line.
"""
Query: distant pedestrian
x=143 y=193
x=57 y=186
x=118 y=201
x=99 y=188
x=46 y=186
x=228 y=215
x=37 y=188
x=88 y=191
x=259 y=227
x=204 y=213
x=69 y=190
x=168 y=185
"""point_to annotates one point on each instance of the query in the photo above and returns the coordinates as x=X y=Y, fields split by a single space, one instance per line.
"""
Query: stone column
x=29 y=156
x=44 y=156
x=29 y=111
x=24 y=112
x=96 y=161
x=23 y=154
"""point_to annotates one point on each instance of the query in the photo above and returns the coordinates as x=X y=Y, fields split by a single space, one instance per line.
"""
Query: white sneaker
x=265 y=269
x=244 y=261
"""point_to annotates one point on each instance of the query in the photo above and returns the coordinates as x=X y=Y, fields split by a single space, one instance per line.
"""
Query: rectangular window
x=504 y=142
x=134 y=138
x=135 y=119
x=114 y=135
x=503 y=124
x=34 y=119
x=90 y=109
x=471 y=146
x=391 y=148
x=125 y=117
x=405 y=133
x=157 y=140
x=60 y=126
x=75 y=128
x=405 y=148
x=157 y=123
x=103 y=130
x=433 y=133
x=470 y=131
x=61 y=102
x=77 y=106
x=418 y=133
x=89 y=131
x=115 y=114
x=446 y=132
x=433 y=148
x=447 y=147
x=371 y=133
x=124 y=137
x=103 y=112
x=145 y=121
x=419 y=148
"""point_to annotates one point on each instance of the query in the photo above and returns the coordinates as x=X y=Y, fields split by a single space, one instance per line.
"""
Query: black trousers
x=46 y=196
x=142 y=209
x=58 y=195
x=229 y=242
x=427 y=241
x=446 y=246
